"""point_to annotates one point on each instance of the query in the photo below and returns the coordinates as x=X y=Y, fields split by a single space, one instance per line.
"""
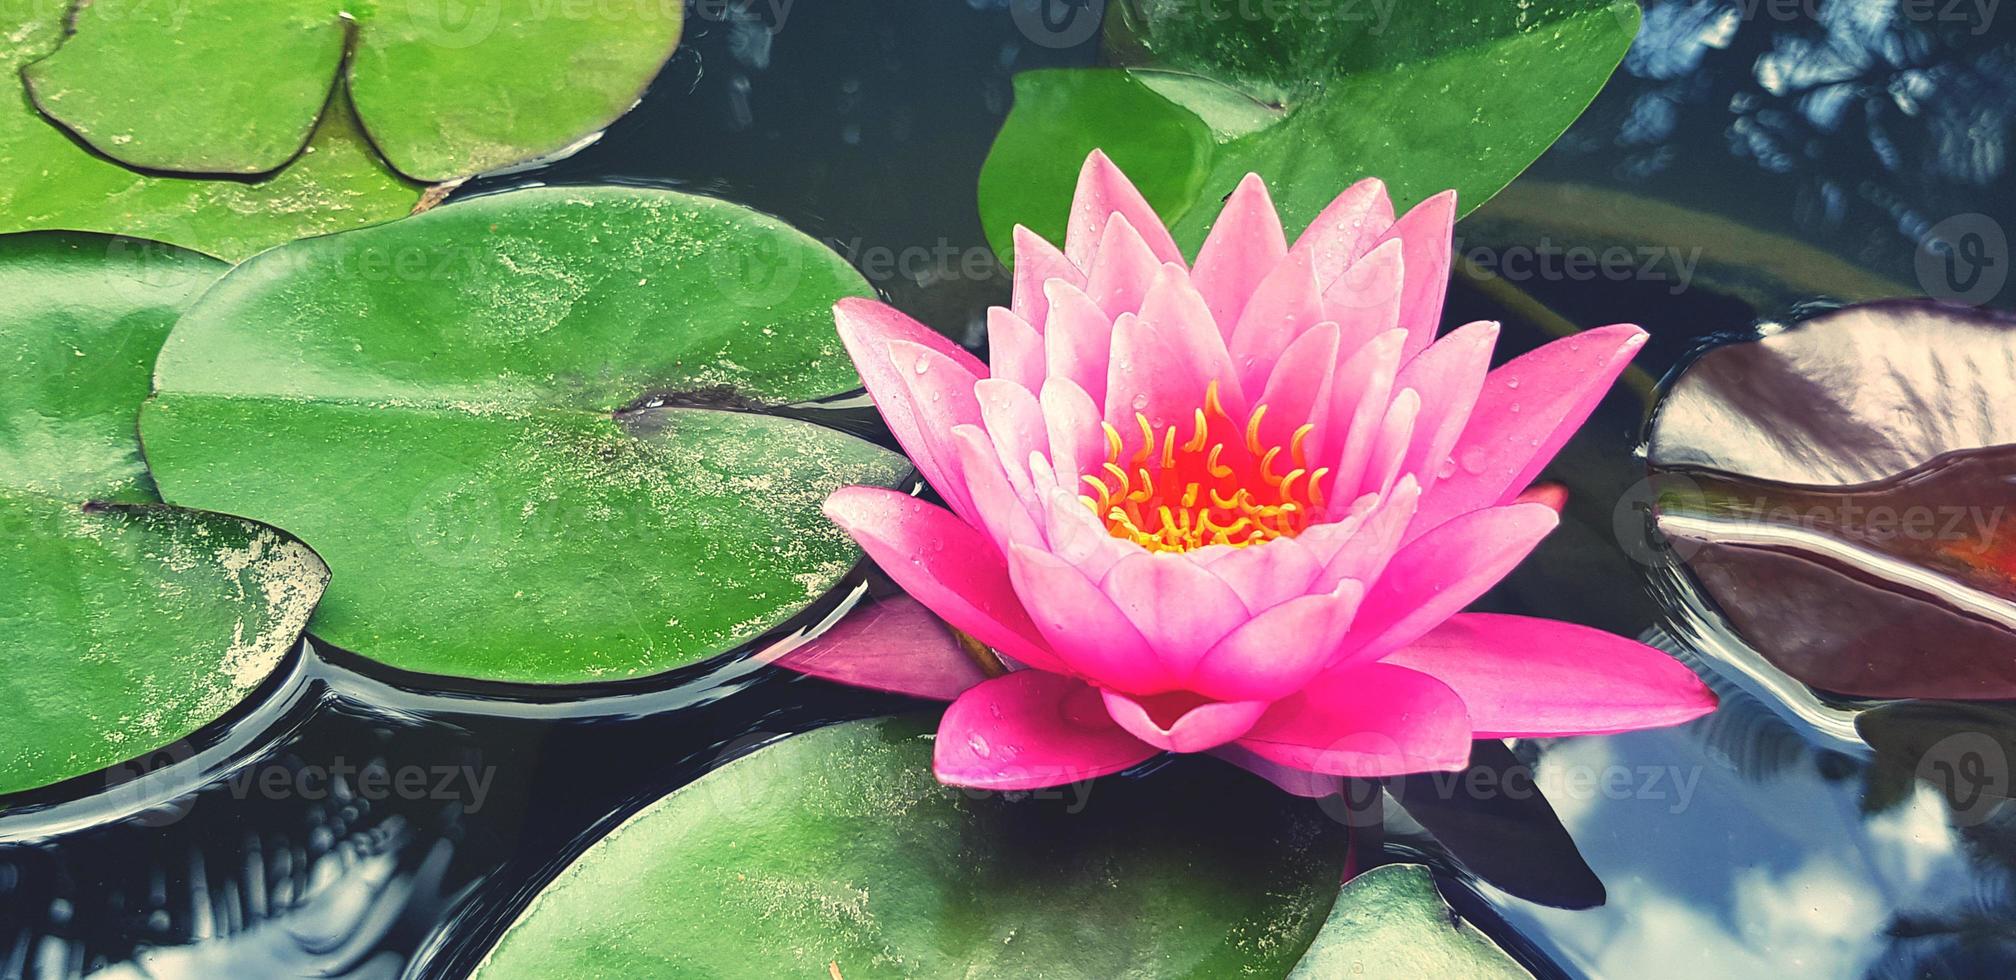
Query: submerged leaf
x=488 y=419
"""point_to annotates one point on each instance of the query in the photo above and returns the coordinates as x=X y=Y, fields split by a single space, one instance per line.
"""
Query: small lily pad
x=128 y=626
x=445 y=90
x=1838 y=492
x=1424 y=96
x=1391 y=924
x=836 y=853
x=526 y=429
x=48 y=181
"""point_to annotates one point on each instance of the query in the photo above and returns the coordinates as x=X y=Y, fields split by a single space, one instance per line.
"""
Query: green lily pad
x=124 y=627
x=1431 y=96
x=836 y=853
x=518 y=428
x=1391 y=924
x=83 y=317
x=445 y=90
x=48 y=181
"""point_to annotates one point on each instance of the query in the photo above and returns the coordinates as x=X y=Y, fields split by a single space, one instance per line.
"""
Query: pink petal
x=1077 y=340
x=1079 y=538
x=1265 y=574
x=1279 y=651
x=1375 y=720
x=1037 y=262
x=1535 y=677
x=1008 y=517
x=1176 y=311
x=1183 y=722
x=867 y=328
x=1449 y=375
x=1284 y=306
x=1244 y=245
x=1365 y=300
x=1552 y=495
x=1434 y=577
x=946 y=564
x=1348 y=227
x=1104 y=193
x=1180 y=609
x=1083 y=627
x=1363 y=556
x=1529 y=407
x=1298 y=390
x=1014 y=349
x=1389 y=450
x=1071 y=418
x=892 y=644
x=1360 y=394
x=941 y=397
x=1295 y=782
x=1015 y=424
x=1029 y=730
x=1125 y=268
x=1149 y=377
x=1426 y=234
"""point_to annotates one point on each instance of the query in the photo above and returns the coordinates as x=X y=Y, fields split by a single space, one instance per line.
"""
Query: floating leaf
x=521 y=428
x=124 y=627
x=444 y=91
x=1839 y=491
x=1432 y=97
x=1391 y=923
x=836 y=853
x=47 y=181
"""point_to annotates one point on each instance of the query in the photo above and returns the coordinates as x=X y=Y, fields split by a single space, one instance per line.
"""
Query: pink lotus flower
x=1238 y=506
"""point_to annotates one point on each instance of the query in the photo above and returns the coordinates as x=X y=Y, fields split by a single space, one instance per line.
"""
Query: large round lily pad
x=1424 y=96
x=521 y=429
x=837 y=854
x=444 y=89
x=1839 y=491
x=124 y=627
x=48 y=181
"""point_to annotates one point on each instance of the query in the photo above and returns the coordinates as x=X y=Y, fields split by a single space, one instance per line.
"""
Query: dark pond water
x=1751 y=161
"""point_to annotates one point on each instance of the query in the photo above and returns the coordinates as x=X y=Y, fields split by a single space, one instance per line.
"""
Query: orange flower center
x=1220 y=485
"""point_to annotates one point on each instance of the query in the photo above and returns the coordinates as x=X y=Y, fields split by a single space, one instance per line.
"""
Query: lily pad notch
x=165 y=86
x=131 y=626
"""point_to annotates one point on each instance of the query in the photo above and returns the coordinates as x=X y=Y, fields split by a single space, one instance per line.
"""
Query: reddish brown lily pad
x=1844 y=494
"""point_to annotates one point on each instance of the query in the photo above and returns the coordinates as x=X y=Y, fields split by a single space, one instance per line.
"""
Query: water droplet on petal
x=923 y=365
x=1512 y=383
x=1513 y=408
x=979 y=745
x=1447 y=469
x=1140 y=402
x=1473 y=460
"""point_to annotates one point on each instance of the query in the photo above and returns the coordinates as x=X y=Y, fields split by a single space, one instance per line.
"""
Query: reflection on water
x=1743 y=869
x=1740 y=845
